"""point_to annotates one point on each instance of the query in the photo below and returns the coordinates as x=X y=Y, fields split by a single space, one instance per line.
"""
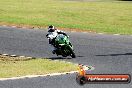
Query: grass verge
x=100 y=16
x=16 y=66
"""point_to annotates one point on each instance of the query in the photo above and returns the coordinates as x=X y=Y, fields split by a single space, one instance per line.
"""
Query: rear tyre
x=64 y=55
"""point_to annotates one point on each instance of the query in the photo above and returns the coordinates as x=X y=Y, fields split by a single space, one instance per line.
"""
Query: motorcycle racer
x=52 y=34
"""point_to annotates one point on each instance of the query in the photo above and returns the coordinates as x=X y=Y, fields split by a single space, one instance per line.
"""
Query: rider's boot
x=54 y=51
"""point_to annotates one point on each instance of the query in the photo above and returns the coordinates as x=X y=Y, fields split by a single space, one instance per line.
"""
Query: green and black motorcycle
x=64 y=47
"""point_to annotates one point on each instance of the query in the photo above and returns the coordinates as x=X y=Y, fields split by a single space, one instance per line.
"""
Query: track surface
x=107 y=53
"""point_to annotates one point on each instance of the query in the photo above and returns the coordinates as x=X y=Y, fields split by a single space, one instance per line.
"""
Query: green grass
x=106 y=16
x=13 y=67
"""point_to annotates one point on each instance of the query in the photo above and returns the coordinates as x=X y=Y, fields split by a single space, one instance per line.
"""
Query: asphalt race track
x=107 y=53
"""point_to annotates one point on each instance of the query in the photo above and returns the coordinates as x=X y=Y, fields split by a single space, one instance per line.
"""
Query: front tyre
x=72 y=54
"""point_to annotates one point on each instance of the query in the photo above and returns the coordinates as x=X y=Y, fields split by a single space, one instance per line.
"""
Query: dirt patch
x=43 y=27
x=76 y=30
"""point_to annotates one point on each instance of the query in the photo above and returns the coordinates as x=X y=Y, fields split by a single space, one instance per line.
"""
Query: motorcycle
x=64 y=47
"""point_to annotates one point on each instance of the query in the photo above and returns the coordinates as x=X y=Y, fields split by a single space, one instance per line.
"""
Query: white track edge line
x=33 y=76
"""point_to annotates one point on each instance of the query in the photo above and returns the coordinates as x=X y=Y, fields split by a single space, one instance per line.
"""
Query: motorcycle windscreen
x=61 y=39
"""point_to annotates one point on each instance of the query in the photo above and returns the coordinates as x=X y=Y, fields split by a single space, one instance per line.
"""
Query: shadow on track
x=116 y=54
x=61 y=58
x=58 y=58
x=80 y=56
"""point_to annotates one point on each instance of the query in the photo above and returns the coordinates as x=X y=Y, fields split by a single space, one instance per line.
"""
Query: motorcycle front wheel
x=72 y=54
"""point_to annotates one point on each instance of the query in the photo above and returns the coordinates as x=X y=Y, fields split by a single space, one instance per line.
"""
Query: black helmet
x=51 y=28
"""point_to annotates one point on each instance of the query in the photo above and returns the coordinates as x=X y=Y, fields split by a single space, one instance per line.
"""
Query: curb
x=13 y=55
